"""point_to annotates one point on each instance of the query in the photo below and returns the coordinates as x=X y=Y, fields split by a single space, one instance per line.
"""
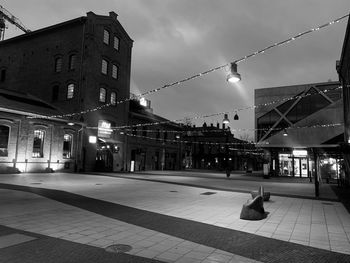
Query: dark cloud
x=175 y=39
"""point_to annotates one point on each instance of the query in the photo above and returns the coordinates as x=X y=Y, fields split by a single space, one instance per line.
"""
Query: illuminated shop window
x=70 y=91
x=105 y=36
x=38 y=144
x=4 y=140
x=102 y=97
x=113 y=98
x=115 y=71
x=58 y=64
x=67 y=146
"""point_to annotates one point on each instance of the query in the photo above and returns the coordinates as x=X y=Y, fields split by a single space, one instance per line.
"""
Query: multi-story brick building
x=78 y=66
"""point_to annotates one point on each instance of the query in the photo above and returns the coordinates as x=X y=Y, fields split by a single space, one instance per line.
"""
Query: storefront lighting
x=70 y=123
x=92 y=139
x=300 y=152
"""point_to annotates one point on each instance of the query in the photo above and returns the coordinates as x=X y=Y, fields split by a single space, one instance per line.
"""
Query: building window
x=55 y=91
x=116 y=43
x=115 y=71
x=106 y=37
x=67 y=146
x=72 y=62
x=102 y=97
x=4 y=140
x=38 y=144
x=58 y=64
x=70 y=91
x=3 y=75
x=104 y=68
x=113 y=98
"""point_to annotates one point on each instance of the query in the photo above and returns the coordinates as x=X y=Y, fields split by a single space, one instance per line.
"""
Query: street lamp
x=233 y=76
x=226 y=119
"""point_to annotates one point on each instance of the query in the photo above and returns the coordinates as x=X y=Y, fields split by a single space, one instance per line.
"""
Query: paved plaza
x=166 y=217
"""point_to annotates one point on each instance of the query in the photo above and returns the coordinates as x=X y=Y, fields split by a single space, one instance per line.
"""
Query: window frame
x=102 y=95
x=58 y=66
x=116 y=44
x=72 y=62
x=41 y=136
x=104 y=65
x=70 y=150
x=113 y=102
x=115 y=71
x=106 y=36
x=69 y=91
x=4 y=150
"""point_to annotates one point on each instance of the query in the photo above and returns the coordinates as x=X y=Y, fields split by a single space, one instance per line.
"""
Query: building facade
x=300 y=133
x=151 y=147
x=343 y=68
x=214 y=148
x=82 y=67
x=32 y=142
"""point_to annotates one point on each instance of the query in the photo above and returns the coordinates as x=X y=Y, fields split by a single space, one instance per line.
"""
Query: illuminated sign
x=300 y=152
x=143 y=102
x=92 y=139
x=104 y=129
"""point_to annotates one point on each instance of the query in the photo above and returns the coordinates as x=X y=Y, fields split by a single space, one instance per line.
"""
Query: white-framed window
x=38 y=144
x=4 y=140
x=113 y=98
x=102 y=97
x=106 y=36
x=67 y=146
x=104 y=68
x=72 y=62
x=114 y=71
x=70 y=91
x=116 y=43
x=58 y=64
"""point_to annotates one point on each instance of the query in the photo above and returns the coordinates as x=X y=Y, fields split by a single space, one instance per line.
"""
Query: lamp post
x=226 y=130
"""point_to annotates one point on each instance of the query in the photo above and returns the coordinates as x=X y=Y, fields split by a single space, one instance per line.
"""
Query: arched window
x=113 y=98
x=58 y=64
x=104 y=67
x=4 y=139
x=102 y=97
x=38 y=144
x=106 y=36
x=67 y=146
x=72 y=62
x=70 y=91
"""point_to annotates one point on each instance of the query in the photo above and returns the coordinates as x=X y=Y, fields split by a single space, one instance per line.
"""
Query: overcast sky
x=176 y=39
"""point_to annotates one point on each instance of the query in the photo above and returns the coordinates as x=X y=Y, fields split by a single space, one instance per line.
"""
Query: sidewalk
x=114 y=210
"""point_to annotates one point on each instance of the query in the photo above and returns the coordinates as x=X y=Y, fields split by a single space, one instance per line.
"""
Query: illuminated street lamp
x=226 y=119
x=233 y=76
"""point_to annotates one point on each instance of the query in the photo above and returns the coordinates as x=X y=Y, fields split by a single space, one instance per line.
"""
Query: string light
x=227 y=112
x=177 y=83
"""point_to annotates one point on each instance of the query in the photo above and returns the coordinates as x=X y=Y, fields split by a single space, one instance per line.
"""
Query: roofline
x=45 y=29
x=346 y=41
x=305 y=84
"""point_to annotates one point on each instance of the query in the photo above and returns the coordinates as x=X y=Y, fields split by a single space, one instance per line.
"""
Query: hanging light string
x=177 y=83
x=198 y=142
x=124 y=131
x=176 y=121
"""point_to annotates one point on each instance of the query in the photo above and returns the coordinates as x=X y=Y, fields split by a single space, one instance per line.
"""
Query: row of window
x=106 y=39
x=38 y=143
x=105 y=68
x=103 y=96
x=72 y=63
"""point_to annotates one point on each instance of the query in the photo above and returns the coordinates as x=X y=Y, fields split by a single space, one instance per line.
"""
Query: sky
x=177 y=39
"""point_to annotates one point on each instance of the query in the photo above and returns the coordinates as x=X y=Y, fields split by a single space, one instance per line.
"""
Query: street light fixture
x=226 y=119
x=233 y=76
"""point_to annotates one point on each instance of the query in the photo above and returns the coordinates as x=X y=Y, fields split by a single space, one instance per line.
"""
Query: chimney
x=211 y=125
x=113 y=15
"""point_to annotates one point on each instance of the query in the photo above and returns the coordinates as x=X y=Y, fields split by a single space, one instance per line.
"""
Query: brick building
x=77 y=65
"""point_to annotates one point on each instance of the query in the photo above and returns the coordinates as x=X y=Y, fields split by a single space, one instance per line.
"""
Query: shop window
x=4 y=140
x=106 y=37
x=72 y=62
x=104 y=67
x=114 y=71
x=113 y=98
x=58 y=64
x=102 y=97
x=70 y=91
x=38 y=144
x=67 y=146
